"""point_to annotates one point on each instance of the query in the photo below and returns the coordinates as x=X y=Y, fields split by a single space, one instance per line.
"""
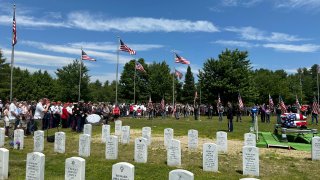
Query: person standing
x=41 y=108
x=230 y=117
x=210 y=111
x=238 y=111
x=315 y=112
x=278 y=113
x=220 y=111
x=13 y=113
x=64 y=116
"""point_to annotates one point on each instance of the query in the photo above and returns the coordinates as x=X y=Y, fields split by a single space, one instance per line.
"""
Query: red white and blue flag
x=271 y=104
x=315 y=107
x=178 y=74
x=139 y=67
x=240 y=101
x=162 y=104
x=282 y=105
x=14 y=27
x=297 y=102
x=84 y=56
x=181 y=60
x=125 y=48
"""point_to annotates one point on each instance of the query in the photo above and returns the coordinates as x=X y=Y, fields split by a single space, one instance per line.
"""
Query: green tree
x=228 y=75
x=188 y=87
x=68 y=82
x=4 y=78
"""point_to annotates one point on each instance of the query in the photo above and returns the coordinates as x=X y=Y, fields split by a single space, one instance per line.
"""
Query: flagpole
x=12 y=55
x=80 y=76
x=173 y=80
x=318 y=82
x=134 y=83
x=117 y=71
x=300 y=89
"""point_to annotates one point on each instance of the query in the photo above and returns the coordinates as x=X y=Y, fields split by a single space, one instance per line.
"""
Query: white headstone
x=84 y=145
x=87 y=129
x=168 y=136
x=222 y=141
x=38 y=140
x=123 y=171
x=181 y=174
x=2 y=137
x=250 y=162
x=59 y=142
x=18 y=139
x=75 y=169
x=105 y=132
x=35 y=166
x=141 y=150
x=249 y=139
x=192 y=139
x=146 y=133
x=118 y=127
x=112 y=147
x=4 y=163
x=125 y=135
x=315 y=148
x=210 y=157
x=174 y=153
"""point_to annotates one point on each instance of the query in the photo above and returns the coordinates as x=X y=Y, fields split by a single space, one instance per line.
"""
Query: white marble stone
x=174 y=153
x=192 y=140
x=75 y=169
x=4 y=163
x=168 y=136
x=141 y=150
x=125 y=135
x=84 y=145
x=87 y=129
x=146 y=133
x=59 y=142
x=123 y=171
x=118 y=128
x=222 y=141
x=210 y=157
x=38 y=141
x=35 y=166
x=112 y=147
x=18 y=139
x=250 y=155
x=2 y=137
x=105 y=132
x=249 y=139
x=181 y=174
x=315 y=154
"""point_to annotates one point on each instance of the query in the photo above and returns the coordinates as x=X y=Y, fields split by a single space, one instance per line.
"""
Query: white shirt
x=12 y=108
x=69 y=109
x=38 y=114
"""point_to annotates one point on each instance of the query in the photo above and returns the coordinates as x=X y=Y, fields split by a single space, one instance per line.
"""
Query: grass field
x=274 y=163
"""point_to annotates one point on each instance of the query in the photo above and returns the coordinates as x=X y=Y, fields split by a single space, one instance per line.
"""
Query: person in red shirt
x=64 y=116
x=116 y=112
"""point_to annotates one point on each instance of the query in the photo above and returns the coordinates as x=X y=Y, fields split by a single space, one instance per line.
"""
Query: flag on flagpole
x=139 y=67
x=84 y=56
x=181 y=60
x=282 y=105
x=315 y=108
x=178 y=73
x=14 y=27
x=124 y=47
x=271 y=104
x=240 y=101
x=297 y=102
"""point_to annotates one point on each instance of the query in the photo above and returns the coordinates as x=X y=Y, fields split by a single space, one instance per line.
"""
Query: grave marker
x=35 y=166
x=250 y=163
x=210 y=157
x=59 y=142
x=123 y=171
x=140 y=150
x=146 y=133
x=192 y=139
x=222 y=141
x=112 y=147
x=174 y=153
x=75 y=168
x=38 y=141
x=84 y=145
x=181 y=174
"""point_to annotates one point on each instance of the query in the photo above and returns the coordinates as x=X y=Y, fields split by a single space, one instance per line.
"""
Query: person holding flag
x=315 y=111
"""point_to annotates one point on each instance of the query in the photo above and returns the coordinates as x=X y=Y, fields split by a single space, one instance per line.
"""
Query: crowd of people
x=45 y=114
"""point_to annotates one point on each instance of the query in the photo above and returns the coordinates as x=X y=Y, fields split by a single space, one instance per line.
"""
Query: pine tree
x=188 y=87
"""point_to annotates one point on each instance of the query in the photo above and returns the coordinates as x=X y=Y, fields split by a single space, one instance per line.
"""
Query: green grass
x=272 y=164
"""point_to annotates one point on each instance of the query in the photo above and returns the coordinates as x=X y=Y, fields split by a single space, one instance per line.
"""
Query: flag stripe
x=86 y=57
x=240 y=102
x=14 y=27
x=139 y=67
x=125 y=48
x=178 y=74
x=181 y=60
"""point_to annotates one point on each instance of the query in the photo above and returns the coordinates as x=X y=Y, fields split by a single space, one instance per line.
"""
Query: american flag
x=162 y=103
x=86 y=57
x=297 y=102
x=178 y=74
x=14 y=27
x=271 y=104
x=139 y=67
x=125 y=48
x=240 y=102
x=181 y=60
x=282 y=105
x=315 y=108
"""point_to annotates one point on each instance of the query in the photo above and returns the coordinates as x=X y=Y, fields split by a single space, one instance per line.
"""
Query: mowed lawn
x=273 y=164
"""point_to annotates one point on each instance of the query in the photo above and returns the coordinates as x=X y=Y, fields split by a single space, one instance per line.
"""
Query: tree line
x=227 y=76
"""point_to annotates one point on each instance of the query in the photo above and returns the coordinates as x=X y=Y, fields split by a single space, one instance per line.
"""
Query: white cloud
x=310 y=4
x=234 y=3
x=194 y=69
x=291 y=71
x=235 y=43
x=293 y=48
x=84 y=20
x=251 y=33
x=104 y=77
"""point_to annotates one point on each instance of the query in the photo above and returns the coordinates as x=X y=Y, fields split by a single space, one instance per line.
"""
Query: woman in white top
x=6 y=119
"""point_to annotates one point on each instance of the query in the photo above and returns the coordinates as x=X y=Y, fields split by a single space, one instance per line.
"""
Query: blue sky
x=279 y=34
